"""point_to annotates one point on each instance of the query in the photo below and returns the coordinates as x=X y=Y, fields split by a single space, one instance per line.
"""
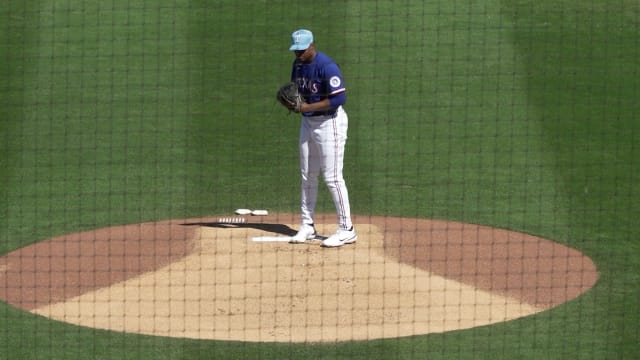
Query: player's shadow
x=273 y=228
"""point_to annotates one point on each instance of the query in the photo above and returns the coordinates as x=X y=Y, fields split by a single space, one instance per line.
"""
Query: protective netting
x=491 y=161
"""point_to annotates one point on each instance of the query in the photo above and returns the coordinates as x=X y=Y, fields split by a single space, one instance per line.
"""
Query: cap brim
x=299 y=47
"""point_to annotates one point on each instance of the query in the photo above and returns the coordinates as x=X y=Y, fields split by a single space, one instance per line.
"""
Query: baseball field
x=492 y=165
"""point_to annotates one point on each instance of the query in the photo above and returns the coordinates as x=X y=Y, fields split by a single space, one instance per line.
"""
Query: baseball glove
x=289 y=96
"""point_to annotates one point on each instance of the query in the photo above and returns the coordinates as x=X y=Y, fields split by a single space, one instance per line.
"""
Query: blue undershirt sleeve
x=338 y=99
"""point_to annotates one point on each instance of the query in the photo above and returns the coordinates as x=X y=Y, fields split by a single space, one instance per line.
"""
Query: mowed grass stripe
x=105 y=114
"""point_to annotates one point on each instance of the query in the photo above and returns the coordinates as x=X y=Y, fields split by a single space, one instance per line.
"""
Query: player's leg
x=334 y=137
x=309 y=170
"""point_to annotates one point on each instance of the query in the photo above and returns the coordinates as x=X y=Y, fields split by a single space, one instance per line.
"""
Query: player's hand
x=289 y=96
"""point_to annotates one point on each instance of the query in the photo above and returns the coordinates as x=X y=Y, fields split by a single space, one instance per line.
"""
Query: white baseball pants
x=322 y=143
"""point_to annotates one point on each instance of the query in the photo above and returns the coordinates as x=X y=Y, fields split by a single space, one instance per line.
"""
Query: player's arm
x=336 y=93
x=331 y=102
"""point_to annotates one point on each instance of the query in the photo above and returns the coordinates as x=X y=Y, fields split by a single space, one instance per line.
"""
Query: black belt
x=322 y=113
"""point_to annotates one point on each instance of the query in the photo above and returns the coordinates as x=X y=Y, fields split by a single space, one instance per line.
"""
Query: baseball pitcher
x=319 y=94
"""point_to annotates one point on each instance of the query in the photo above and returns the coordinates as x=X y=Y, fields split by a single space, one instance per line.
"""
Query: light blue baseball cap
x=301 y=39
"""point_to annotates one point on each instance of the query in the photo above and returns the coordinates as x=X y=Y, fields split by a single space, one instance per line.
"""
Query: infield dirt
x=197 y=278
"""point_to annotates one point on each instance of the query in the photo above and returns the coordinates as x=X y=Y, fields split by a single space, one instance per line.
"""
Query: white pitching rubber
x=271 y=238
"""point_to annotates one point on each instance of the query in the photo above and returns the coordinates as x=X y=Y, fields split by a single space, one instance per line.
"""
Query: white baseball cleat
x=341 y=237
x=306 y=232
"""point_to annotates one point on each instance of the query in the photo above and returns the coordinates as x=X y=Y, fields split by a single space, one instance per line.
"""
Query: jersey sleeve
x=335 y=83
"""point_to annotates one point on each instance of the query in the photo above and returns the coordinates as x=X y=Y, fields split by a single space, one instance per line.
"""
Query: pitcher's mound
x=234 y=280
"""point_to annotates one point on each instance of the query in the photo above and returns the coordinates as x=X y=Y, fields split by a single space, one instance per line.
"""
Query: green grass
x=515 y=114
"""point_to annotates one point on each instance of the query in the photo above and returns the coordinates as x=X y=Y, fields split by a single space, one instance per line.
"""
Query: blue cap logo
x=301 y=39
